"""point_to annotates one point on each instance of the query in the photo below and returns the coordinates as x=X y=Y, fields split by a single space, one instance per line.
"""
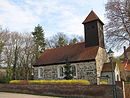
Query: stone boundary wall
x=80 y=91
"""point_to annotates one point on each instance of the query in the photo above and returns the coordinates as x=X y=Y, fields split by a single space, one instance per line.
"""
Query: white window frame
x=39 y=72
x=75 y=71
x=59 y=72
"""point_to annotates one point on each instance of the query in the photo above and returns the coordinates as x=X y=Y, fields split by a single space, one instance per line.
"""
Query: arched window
x=73 y=70
x=40 y=72
x=61 y=71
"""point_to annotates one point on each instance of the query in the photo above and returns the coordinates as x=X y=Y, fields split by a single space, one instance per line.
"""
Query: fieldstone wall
x=49 y=72
x=84 y=71
x=87 y=71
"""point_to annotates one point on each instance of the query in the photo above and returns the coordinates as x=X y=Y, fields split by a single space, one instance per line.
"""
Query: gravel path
x=17 y=95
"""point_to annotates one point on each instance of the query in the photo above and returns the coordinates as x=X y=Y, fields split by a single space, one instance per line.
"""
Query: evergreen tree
x=39 y=39
x=68 y=72
x=61 y=42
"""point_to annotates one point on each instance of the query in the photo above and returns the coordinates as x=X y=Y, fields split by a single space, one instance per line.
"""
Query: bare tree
x=118 y=27
x=18 y=54
x=27 y=57
x=3 y=40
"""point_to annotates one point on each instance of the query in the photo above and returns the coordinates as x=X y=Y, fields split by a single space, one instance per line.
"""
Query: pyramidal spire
x=91 y=17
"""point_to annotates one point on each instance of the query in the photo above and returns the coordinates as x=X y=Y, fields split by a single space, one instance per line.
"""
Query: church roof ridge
x=64 y=46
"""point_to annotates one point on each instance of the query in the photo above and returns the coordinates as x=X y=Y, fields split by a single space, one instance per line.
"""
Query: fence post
x=123 y=89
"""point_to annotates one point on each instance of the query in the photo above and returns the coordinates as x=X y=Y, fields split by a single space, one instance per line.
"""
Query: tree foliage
x=61 y=42
x=57 y=40
x=118 y=27
x=39 y=40
x=3 y=40
x=17 y=54
x=74 y=41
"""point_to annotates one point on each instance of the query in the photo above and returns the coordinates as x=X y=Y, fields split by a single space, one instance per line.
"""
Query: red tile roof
x=107 y=67
x=91 y=17
x=72 y=53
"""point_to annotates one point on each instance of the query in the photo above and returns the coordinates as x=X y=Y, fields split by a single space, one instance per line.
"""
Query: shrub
x=15 y=81
x=103 y=81
x=83 y=82
x=80 y=82
x=4 y=80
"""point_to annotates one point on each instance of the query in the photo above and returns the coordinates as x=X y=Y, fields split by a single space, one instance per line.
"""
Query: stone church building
x=86 y=58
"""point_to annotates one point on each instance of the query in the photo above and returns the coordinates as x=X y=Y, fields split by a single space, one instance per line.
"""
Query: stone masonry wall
x=84 y=71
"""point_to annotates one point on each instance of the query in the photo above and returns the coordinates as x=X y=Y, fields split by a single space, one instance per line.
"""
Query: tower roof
x=91 y=17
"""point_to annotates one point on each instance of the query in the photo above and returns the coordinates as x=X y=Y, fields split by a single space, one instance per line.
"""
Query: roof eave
x=49 y=64
x=84 y=22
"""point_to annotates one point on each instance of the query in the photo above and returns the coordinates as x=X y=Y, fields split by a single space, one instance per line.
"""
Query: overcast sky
x=54 y=15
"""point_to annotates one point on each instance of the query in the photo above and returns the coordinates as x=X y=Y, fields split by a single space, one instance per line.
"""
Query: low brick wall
x=90 y=91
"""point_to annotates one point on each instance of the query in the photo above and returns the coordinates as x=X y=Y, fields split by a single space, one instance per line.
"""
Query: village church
x=88 y=59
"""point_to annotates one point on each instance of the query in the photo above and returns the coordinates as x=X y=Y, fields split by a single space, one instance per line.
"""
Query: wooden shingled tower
x=93 y=28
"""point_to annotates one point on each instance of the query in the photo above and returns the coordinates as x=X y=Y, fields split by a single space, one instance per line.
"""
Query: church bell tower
x=93 y=29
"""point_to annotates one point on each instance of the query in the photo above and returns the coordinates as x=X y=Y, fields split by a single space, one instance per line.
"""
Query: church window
x=73 y=71
x=61 y=72
x=40 y=72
